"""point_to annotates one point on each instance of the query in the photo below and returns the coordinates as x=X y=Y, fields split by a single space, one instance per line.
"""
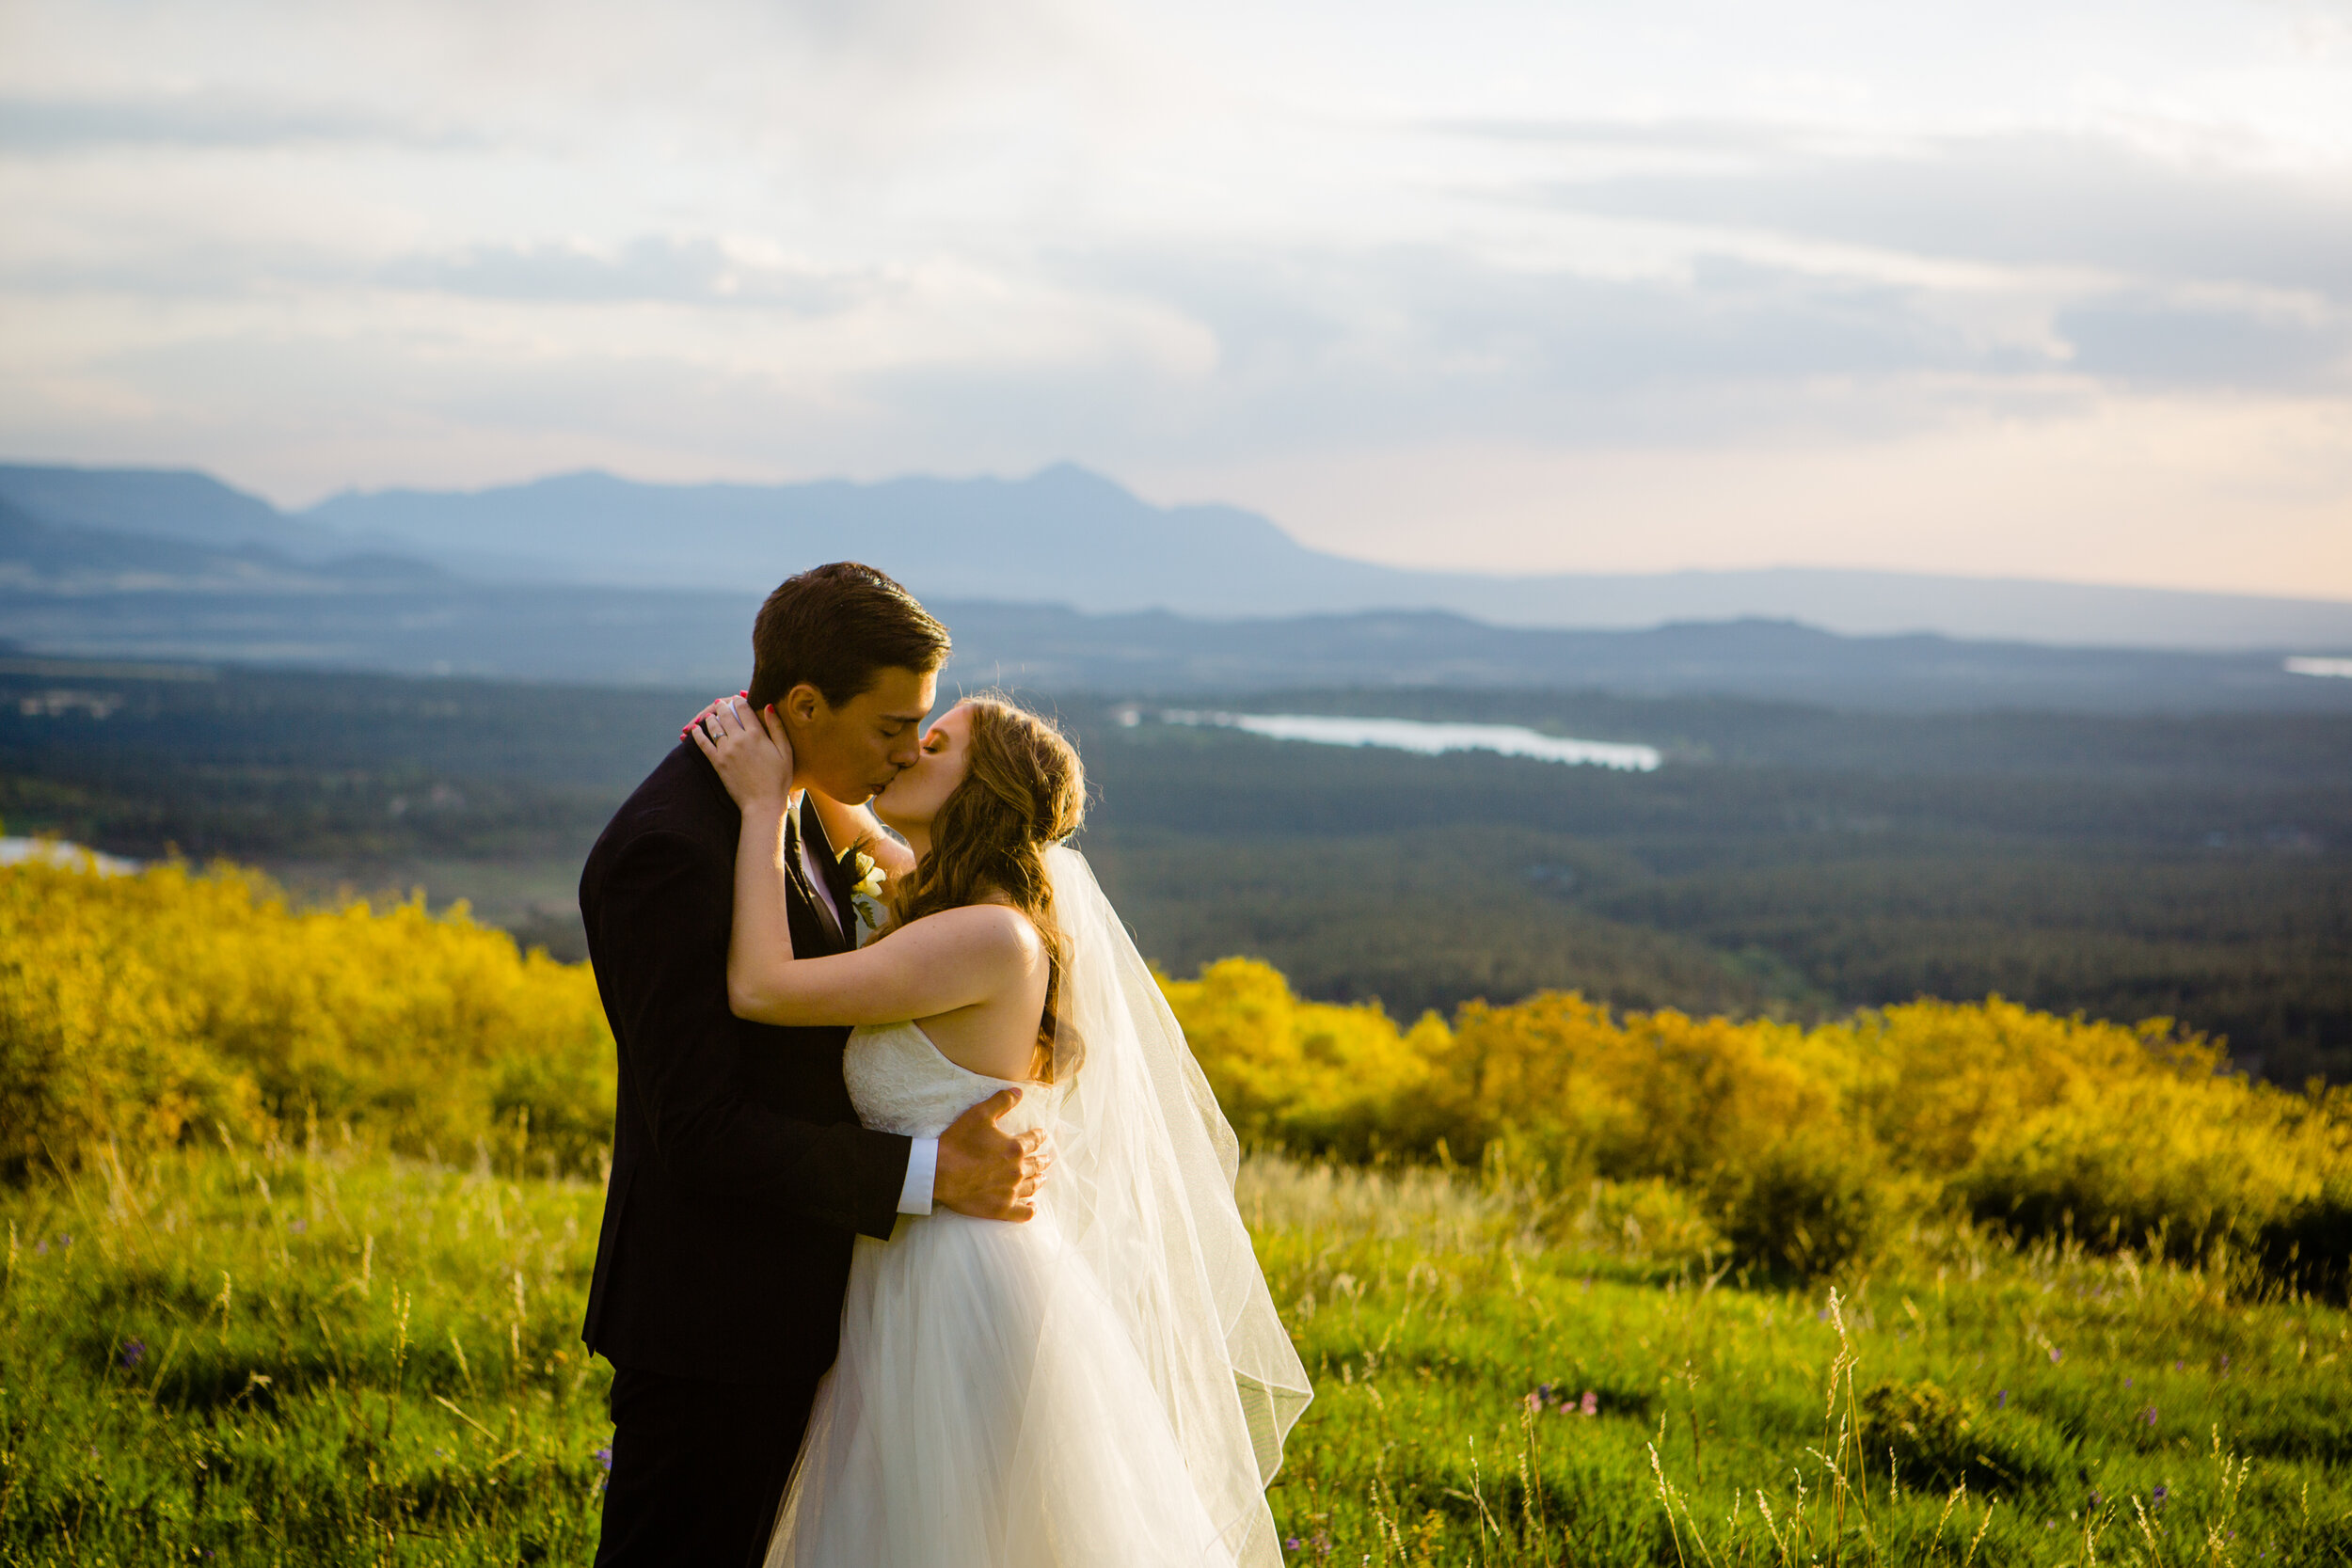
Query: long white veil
x=1142 y=1189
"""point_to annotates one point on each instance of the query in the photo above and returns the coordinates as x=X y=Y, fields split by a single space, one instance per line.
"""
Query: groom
x=739 y=1172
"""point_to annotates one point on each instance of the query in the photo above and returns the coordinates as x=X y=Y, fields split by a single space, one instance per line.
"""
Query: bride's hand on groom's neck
x=749 y=750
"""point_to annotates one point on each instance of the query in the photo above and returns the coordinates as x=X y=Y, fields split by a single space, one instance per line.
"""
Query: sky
x=2059 y=288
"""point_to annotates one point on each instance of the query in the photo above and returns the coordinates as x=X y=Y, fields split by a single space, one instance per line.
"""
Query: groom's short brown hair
x=834 y=626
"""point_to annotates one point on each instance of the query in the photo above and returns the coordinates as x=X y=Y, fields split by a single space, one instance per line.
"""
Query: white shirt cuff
x=922 y=1170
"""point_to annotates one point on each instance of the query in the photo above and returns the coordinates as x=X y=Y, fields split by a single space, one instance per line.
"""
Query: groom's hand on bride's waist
x=987 y=1172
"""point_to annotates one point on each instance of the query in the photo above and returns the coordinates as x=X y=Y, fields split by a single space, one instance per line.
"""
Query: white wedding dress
x=1104 y=1386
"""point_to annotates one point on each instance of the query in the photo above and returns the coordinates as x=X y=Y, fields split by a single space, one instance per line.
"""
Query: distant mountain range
x=614 y=636
x=73 y=560
x=1065 y=536
x=595 y=579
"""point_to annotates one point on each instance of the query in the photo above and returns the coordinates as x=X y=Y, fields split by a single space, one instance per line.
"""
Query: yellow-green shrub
x=1803 y=1145
x=1739 y=1113
x=2130 y=1135
x=1308 y=1076
x=95 y=1040
x=143 y=1008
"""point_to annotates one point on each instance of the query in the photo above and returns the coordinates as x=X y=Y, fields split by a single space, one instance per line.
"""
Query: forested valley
x=1786 y=861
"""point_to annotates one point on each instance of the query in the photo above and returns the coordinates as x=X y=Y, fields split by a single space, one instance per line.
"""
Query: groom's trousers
x=698 y=1469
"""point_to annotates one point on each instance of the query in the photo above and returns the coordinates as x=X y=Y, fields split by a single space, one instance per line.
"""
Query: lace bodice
x=899 y=1083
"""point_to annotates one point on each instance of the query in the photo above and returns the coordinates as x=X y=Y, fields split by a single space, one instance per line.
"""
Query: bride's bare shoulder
x=985 y=932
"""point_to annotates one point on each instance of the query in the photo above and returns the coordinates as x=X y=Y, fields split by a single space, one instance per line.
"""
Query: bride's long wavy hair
x=1024 y=791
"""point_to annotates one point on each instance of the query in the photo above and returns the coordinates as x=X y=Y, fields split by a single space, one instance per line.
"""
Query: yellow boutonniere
x=866 y=891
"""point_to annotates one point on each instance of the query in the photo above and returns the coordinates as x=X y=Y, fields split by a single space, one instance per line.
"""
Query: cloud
x=1428 y=342
x=50 y=126
x=2150 y=341
x=1712 y=136
x=2033 y=198
x=695 y=270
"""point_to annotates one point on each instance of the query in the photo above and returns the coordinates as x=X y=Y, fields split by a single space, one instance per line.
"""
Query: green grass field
x=319 y=1354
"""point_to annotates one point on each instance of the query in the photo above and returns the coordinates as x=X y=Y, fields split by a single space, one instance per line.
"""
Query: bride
x=1108 y=1383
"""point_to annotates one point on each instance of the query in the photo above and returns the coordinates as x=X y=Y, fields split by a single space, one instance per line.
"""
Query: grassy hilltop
x=302 y=1206
x=310 y=1352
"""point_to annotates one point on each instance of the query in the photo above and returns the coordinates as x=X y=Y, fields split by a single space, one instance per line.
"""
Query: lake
x=1410 y=734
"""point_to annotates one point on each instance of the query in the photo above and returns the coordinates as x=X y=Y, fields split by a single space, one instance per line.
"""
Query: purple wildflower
x=2000 y=1400
x=2158 y=1496
x=2055 y=1354
x=1291 y=1543
x=1590 y=1403
x=133 y=1352
x=2149 y=1415
x=604 y=1457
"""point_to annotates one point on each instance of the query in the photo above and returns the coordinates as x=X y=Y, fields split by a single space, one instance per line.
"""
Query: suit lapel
x=835 y=861
x=805 y=822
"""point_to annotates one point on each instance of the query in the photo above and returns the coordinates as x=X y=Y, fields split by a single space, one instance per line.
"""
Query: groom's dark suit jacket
x=739 y=1172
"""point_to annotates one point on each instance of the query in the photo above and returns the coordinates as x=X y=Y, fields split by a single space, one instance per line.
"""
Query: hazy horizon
x=368 y=535
x=1338 y=548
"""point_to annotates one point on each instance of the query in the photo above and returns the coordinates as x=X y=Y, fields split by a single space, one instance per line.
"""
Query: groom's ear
x=803 y=705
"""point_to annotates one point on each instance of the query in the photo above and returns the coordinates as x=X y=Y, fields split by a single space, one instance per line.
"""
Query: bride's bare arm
x=946 y=962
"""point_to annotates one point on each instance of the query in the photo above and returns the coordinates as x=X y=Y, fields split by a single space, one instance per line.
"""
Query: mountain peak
x=1074 y=479
x=159 y=504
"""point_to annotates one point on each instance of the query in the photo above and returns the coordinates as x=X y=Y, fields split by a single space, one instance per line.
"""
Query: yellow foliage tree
x=1803 y=1143
x=1307 y=1075
x=144 y=1009
x=141 y=1009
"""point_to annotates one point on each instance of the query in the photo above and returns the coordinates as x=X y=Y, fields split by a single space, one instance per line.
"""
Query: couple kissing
x=919 y=1248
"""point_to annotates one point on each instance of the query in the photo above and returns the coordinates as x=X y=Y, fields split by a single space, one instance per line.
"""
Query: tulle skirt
x=987 y=1410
